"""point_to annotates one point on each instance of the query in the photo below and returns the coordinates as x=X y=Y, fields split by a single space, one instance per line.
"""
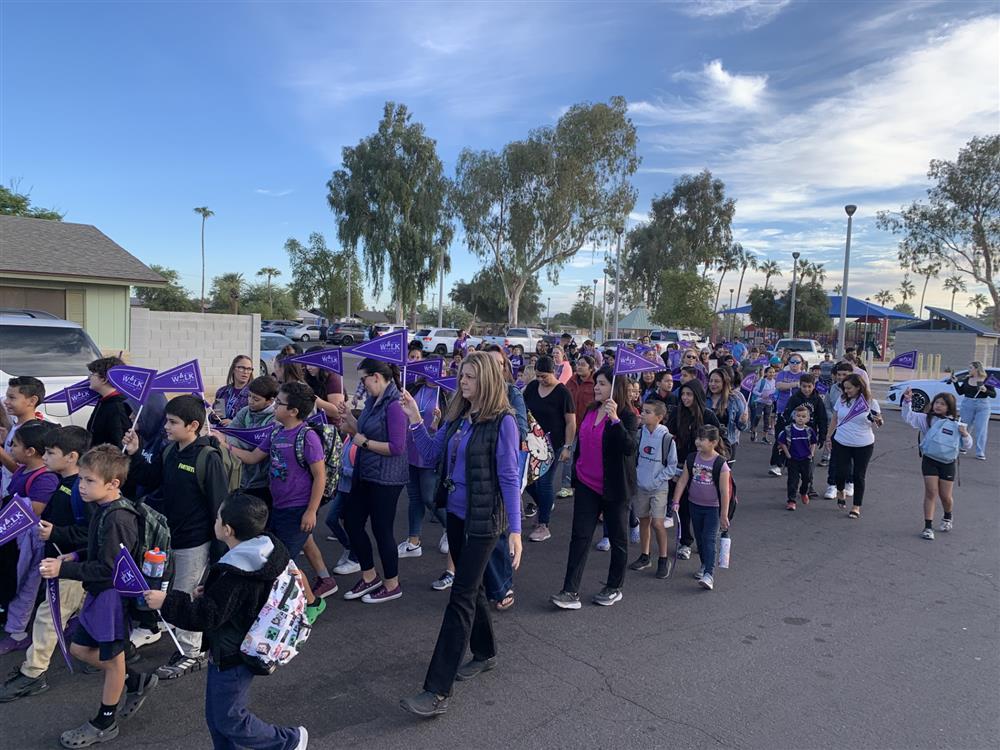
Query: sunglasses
x=795 y=361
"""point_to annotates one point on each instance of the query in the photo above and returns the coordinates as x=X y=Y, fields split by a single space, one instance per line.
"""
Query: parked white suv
x=660 y=339
x=53 y=350
x=437 y=340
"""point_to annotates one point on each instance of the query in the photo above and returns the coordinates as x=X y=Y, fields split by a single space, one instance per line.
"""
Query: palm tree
x=978 y=301
x=204 y=212
x=931 y=269
x=954 y=284
x=838 y=288
x=813 y=271
x=730 y=261
x=884 y=297
x=746 y=260
x=906 y=289
x=270 y=272
x=227 y=288
x=769 y=268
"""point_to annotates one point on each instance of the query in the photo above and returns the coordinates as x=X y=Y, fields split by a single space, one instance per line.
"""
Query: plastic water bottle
x=154 y=566
x=724 y=544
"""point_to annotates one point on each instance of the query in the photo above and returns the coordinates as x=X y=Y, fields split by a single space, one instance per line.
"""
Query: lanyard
x=234 y=397
x=456 y=445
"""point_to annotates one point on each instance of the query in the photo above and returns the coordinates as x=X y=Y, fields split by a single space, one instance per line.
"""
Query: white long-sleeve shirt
x=919 y=421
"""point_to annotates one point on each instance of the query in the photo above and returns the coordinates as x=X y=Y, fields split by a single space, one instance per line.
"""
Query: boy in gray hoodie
x=657 y=464
x=259 y=411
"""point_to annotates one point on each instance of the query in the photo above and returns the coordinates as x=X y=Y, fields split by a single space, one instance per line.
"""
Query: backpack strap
x=300 y=442
x=665 y=448
x=32 y=477
x=119 y=504
x=717 y=476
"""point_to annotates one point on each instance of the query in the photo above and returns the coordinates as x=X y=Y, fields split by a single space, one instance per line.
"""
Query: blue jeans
x=541 y=492
x=334 y=519
x=286 y=524
x=231 y=723
x=705 y=521
x=420 y=493
x=976 y=413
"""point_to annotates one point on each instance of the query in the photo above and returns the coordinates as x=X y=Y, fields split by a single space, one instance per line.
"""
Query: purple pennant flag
x=992 y=380
x=389 y=348
x=255 y=436
x=134 y=382
x=761 y=361
x=424 y=368
x=674 y=355
x=449 y=384
x=748 y=382
x=185 y=378
x=80 y=395
x=627 y=363
x=822 y=388
x=15 y=518
x=906 y=360
x=860 y=407
x=642 y=348
x=328 y=359
x=318 y=418
x=52 y=594
x=128 y=579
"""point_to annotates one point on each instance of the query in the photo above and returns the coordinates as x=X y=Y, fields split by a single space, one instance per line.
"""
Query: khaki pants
x=43 y=633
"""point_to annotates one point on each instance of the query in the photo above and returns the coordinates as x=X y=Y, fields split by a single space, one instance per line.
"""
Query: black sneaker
x=426 y=704
x=566 y=600
x=19 y=686
x=608 y=596
x=180 y=665
x=664 y=566
x=641 y=563
x=474 y=667
x=530 y=510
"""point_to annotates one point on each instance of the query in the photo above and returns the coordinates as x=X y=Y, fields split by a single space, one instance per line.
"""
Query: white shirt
x=857 y=431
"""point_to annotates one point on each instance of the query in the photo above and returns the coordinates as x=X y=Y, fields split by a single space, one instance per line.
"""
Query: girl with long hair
x=852 y=438
x=327 y=385
x=729 y=406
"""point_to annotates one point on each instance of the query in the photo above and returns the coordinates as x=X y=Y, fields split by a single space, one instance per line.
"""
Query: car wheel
x=263 y=368
x=919 y=401
x=347 y=341
x=305 y=337
x=440 y=349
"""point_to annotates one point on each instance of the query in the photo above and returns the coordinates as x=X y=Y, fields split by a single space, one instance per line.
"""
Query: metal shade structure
x=856 y=308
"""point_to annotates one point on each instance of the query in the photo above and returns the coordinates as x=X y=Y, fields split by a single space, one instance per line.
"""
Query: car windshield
x=796 y=345
x=46 y=352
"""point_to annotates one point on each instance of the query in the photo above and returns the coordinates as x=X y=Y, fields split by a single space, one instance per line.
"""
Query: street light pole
x=791 y=316
x=842 y=324
x=593 y=311
x=604 y=312
x=441 y=292
x=548 y=316
x=864 y=338
x=618 y=271
x=350 y=268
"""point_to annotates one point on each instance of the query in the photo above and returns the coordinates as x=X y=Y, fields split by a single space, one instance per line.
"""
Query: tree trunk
x=719 y=290
x=203 y=264
x=514 y=300
x=270 y=301
x=739 y=288
x=920 y=312
x=399 y=312
x=953 y=301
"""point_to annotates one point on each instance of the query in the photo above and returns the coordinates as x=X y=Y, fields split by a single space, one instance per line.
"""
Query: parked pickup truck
x=525 y=337
x=810 y=350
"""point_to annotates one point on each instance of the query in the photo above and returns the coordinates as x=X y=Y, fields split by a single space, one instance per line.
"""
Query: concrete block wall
x=162 y=340
x=957 y=348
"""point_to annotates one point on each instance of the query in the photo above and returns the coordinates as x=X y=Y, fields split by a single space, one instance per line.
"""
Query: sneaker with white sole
x=382 y=594
x=346 y=566
x=683 y=552
x=443 y=544
x=444 y=581
x=180 y=665
x=849 y=489
x=530 y=510
x=946 y=525
x=774 y=471
x=565 y=492
x=566 y=600
x=699 y=573
x=363 y=587
x=607 y=596
x=141 y=637
x=405 y=549
x=604 y=545
x=303 y=739
x=831 y=492
x=323 y=587
x=927 y=533
x=706 y=581
x=540 y=533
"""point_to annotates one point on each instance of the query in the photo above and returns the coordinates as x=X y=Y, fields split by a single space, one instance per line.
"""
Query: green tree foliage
x=485 y=298
x=13 y=203
x=978 y=301
x=959 y=225
x=319 y=276
x=812 y=308
x=226 y=293
x=770 y=268
x=685 y=300
x=391 y=197
x=455 y=316
x=765 y=312
x=258 y=298
x=583 y=310
x=955 y=284
x=172 y=297
x=688 y=229
x=538 y=201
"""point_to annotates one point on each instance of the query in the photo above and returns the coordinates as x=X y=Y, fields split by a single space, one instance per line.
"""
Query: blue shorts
x=286 y=524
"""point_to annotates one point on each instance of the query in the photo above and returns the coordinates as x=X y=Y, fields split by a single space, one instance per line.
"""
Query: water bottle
x=724 y=544
x=154 y=566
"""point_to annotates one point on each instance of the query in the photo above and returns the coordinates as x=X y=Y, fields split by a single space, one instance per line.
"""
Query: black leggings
x=379 y=502
x=845 y=456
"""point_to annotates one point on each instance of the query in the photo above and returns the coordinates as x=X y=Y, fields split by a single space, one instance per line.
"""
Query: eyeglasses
x=280 y=403
x=240 y=368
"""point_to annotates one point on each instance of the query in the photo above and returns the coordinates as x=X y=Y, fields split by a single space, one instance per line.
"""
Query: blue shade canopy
x=856 y=308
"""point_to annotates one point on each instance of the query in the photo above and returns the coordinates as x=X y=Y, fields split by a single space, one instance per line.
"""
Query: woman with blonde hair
x=976 y=396
x=477 y=451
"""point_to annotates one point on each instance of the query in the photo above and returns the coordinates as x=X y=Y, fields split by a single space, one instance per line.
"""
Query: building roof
x=637 y=320
x=370 y=316
x=946 y=320
x=39 y=247
x=856 y=308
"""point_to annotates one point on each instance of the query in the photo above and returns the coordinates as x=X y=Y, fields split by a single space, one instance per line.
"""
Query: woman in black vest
x=477 y=450
x=604 y=481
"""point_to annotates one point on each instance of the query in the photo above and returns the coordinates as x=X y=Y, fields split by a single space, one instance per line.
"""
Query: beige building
x=958 y=339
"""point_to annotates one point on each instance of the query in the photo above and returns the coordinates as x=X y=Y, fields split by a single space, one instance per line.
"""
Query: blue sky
x=127 y=115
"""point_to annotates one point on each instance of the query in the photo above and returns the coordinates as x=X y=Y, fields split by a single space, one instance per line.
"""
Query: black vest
x=485 y=516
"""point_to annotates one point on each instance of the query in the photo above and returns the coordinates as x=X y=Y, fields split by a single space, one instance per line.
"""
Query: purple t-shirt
x=291 y=485
x=427 y=399
x=781 y=397
x=798 y=440
x=42 y=487
x=701 y=488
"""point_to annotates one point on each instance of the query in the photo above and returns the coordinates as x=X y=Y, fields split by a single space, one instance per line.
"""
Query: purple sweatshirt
x=427 y=400
x=432 y=448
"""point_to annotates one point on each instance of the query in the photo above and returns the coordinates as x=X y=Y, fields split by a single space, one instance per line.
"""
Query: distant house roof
x=637 y=320
x=370 y=316
x=39 y=247
x=946 y=320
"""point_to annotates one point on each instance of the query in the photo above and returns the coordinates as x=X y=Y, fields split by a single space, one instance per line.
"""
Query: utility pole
x=593 y=310
x=791 y=315
x=849 y=209
x=619 y=230
x=441 y=292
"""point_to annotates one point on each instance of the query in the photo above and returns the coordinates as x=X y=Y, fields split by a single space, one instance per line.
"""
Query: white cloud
x=739 y=91
x=273 y=193
x=754 y=13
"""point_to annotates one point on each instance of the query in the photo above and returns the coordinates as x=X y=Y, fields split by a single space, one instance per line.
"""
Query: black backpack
x=716 y=478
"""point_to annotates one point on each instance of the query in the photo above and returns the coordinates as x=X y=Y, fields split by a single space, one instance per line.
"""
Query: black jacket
x=110 y=420
x=96 y=564
x=69 y=533
x=818 y=420
x=708 y=418
x=485 y=515
x=190 y=511
x=619 y=446
x=231 y=601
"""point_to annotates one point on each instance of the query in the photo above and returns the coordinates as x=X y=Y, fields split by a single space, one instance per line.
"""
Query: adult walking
x=604 y=478
x=380 y=472
x=476 y=449
x=233 y=396
x=852 y=438
x=975 y=409
x=550 y=402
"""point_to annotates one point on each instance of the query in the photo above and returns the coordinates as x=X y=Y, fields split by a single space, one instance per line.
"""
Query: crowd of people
x=647 y=458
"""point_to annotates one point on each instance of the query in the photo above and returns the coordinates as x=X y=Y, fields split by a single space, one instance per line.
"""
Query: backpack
x=333 y=449
x=716 y=478
x=942 y=441
x=153 y=531
x=664 y=446
x=232 y=466
x=280 y=627
x=540 y=452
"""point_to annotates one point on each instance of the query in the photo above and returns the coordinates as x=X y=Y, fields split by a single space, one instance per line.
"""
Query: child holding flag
x=852 y=438
x=259 y=412
x=112 y=416
x=101 y=636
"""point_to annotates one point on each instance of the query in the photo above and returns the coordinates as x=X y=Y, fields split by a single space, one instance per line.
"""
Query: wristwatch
x=365 y=444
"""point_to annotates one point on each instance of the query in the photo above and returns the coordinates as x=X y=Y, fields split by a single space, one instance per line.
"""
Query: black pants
x=587 y=506
x=379 y=502
x=777 y=457
x=852 y=465
x=800 y=477
x=467 y=616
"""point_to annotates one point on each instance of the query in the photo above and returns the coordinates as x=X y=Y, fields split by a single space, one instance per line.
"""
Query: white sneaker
x=945 y=525
x=443 y=544
x=849 y=489
x=707 y=582
x=347 y=567
x=604 y=545
x=409 y=550
x=683 y=552
x=699 y=574
x=831 y=492
x=303 y=739
x=774 y=471
x=927 y=534
x=141 y=637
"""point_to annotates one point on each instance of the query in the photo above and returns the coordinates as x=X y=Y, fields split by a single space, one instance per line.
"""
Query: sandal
x=507 y=602
x=87 y=734
x=841 y=505
x=855 y=512
x=133 y=701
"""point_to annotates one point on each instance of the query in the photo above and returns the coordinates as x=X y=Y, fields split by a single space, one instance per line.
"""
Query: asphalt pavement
x=824 y=633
